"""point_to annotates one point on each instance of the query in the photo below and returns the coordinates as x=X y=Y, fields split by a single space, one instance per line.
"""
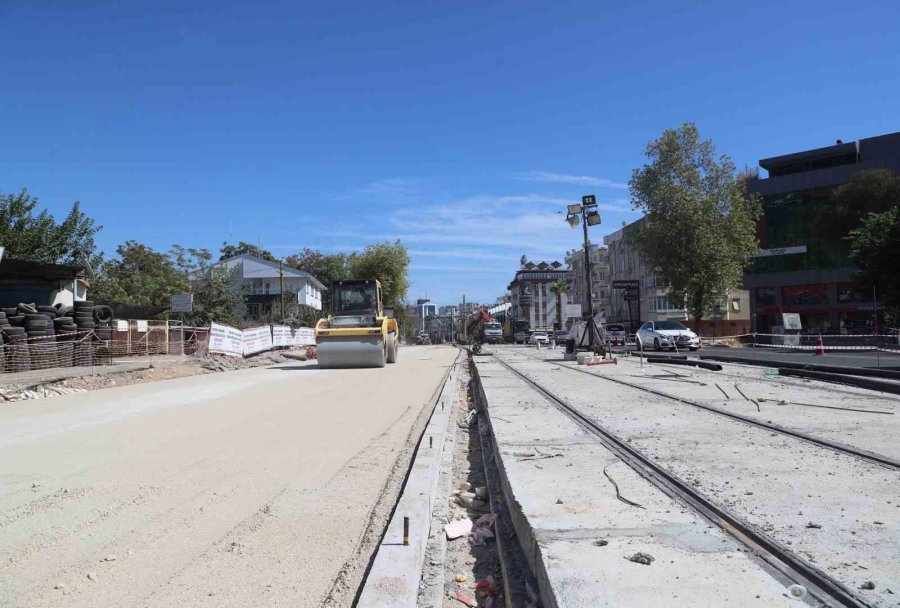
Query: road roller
x=358 y=332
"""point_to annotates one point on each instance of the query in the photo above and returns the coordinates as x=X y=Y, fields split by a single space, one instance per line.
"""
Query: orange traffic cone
x=820 y=349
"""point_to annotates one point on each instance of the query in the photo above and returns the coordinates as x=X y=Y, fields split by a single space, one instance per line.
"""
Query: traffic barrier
x=234 y=342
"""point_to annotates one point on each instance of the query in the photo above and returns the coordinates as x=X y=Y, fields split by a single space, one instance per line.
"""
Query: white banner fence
x=241 y=343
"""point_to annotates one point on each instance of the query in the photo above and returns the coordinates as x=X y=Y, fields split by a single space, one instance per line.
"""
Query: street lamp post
x=587 y=214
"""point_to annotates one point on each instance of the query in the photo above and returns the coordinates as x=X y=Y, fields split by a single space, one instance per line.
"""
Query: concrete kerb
x=393 y=579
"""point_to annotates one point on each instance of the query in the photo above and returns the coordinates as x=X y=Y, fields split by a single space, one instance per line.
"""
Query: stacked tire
x=16 y=357
x=66 y=336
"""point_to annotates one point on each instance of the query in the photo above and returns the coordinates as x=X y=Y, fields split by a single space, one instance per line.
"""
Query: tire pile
x=41 y=337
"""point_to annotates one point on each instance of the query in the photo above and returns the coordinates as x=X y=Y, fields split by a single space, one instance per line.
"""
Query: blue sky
x=461 y=128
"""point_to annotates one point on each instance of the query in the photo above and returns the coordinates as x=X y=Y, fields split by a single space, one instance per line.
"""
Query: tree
x=872 y=191
x=38 y=238
x=388 y=263
x=875 y=249
x=217 y=297
x=327 y=268
x=139 y=276
x=229 y=251
x=559 y=288
x=699 y=230
x=189 y=260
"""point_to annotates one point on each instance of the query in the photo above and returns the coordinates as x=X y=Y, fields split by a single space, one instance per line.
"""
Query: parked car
x=666 y=335
x=539 y=337
x=614 y=333
x=560 y=336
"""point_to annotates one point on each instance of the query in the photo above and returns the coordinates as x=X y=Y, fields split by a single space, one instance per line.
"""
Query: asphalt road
x=264 y=486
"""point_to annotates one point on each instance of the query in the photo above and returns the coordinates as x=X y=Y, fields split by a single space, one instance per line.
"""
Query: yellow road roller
x=357 y=333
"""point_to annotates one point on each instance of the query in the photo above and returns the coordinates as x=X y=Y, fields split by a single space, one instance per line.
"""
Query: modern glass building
x=798 y=269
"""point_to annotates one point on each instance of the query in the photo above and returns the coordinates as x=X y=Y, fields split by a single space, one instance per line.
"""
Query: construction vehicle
x=475 y=328
x=358 y=332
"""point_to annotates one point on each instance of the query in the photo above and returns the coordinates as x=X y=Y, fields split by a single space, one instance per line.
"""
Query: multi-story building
x=425 y=308
x=799 y=269
x=599 y=257
x=531 y=295
x=260 y=280
x=655 y=302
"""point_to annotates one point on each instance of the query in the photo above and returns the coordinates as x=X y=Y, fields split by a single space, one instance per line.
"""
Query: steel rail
x=875 y=457
x=819 y=584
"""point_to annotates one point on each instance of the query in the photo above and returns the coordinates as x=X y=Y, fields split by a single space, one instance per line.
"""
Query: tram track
x=819 y=584
x=868 y=455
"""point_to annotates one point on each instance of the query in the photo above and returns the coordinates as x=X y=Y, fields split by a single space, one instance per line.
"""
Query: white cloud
x=563 y=178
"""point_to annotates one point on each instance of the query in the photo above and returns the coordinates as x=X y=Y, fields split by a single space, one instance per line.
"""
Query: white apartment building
x=261 y=281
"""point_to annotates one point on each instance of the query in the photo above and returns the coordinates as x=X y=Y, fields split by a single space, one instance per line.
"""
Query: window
x=267 y=287
x=735 y=304
x=765 y=296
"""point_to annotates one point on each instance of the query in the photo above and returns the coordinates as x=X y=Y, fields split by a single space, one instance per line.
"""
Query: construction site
x=518 y=476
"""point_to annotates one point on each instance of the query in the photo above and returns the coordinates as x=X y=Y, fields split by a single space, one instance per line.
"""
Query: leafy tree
x=139 y=276
x=700 y=220
x=38 y=238
x=875 y=248
x=325 y=267
x=389 y=263
x=217 y=297
x=559 y=288
x=873 y=191
x=189 y=260
x=229 y=251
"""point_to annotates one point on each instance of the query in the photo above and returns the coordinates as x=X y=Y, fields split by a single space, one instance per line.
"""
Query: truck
x=493 y=332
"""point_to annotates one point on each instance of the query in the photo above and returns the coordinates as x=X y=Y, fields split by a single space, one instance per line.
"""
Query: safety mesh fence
x=89 y=348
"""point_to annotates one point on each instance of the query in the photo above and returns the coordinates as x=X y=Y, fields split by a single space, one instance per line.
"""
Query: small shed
x=43 y=284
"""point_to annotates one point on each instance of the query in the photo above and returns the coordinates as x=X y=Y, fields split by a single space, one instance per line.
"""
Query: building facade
x=425 y=309
x=655 y=301
x=798 y=269
x=531 y=296
x=600 y=289
x=260 y=280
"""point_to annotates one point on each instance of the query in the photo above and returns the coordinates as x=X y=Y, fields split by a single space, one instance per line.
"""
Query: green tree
x=872 y=191
x=139 y=275
x=327 y=268
x=229 y=251
x=875 y=249
x=217 y=297
x=559 y=288
x=389 y=263
x=189 y=260
x=700 y=223
x=38 y=238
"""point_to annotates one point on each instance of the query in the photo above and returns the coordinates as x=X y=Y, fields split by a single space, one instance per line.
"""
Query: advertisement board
x=281 y=336
x=257 y=340
x=226 y=340
x=181 y=302
x=303 y=336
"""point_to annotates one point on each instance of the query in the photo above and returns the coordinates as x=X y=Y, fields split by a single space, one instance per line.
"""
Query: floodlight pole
x=592 y=338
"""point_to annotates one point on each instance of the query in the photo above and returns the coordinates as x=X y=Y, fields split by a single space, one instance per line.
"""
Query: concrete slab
x=773 y=481
x=578 y=534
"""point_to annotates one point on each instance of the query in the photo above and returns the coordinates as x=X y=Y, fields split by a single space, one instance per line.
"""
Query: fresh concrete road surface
x=260 y=487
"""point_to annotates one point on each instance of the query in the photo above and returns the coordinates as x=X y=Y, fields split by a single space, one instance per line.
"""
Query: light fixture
x=593 y=218
x=574 y=209
x=573 y=221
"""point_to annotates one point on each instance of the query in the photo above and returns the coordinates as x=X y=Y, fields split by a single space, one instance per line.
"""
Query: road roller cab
x=357 y=333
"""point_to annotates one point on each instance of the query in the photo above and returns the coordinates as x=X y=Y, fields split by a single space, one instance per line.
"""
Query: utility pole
x=281 y=285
